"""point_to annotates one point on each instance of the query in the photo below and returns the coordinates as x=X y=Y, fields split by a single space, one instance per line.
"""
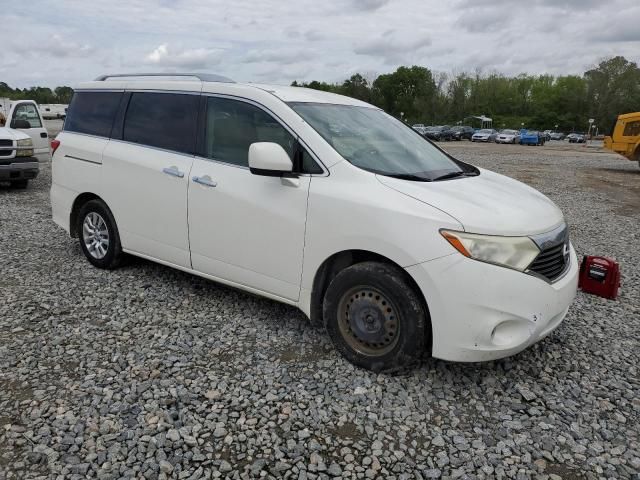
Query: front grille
x=551 y=262
x=6 y=143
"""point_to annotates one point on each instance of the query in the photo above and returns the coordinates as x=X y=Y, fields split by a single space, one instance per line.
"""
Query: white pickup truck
x=18 y=164
x=24 y=115
x=24 y=142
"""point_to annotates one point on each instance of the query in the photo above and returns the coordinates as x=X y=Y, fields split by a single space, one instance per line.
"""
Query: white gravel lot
x=147 y=372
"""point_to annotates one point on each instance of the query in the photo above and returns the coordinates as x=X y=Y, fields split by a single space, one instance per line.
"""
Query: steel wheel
x=368 y=321
x=95 y=235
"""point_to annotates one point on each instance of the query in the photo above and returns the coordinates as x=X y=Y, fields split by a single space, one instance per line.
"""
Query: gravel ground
x=147 y=372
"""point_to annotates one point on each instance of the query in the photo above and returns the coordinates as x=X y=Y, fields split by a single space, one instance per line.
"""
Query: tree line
x=38 y=94
x=419 y=95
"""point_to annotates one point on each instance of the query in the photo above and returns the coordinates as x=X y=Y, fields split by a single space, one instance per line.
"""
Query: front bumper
x=482 y=312
x=480 y=139
x=20 y=168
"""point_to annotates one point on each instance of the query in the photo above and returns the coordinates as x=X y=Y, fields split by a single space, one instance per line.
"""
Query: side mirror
x=19 y=123
x=269 y=159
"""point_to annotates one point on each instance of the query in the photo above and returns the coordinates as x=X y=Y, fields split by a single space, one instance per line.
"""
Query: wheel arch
x=346 y=258
x=79 y=201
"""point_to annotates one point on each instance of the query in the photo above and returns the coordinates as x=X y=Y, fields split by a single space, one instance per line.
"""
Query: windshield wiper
x=408 y=176
x=455 y=175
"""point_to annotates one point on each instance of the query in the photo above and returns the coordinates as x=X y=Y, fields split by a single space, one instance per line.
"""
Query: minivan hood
x=490 y=203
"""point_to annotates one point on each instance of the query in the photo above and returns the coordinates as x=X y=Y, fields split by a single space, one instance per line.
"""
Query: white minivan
x=319 y=201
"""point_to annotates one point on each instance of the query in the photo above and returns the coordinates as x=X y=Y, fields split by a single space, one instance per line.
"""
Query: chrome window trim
x=90 y=135
x=144 y=145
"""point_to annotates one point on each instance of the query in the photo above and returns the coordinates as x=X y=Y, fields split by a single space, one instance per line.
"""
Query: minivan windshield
x=375 y=141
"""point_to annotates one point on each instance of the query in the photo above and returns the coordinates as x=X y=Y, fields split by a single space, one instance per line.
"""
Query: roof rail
x=203 y=77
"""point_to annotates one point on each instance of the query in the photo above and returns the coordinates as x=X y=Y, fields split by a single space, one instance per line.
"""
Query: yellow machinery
x=625 y=136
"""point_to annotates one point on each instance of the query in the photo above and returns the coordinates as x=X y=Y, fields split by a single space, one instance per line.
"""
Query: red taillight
x=54 y=146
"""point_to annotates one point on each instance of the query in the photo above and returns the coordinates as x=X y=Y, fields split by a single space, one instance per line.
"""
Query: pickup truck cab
x=24 y=115
x=17 y=163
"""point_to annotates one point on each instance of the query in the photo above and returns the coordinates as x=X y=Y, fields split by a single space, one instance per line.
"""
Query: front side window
x=632 y=129
x=162 y=120
x=232 y=126
x=92 y=113
x=29 y=113
x=373 y=140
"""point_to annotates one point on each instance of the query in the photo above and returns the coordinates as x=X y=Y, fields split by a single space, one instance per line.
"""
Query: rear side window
x=92 y=113
x=632 y=129
x=162 y=120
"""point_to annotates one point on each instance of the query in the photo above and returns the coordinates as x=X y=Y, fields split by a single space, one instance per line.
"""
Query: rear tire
x=375 y=318
x=98 y=235
x=21 y=184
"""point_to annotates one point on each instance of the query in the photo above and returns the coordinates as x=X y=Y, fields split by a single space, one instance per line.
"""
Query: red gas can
x=600 y=276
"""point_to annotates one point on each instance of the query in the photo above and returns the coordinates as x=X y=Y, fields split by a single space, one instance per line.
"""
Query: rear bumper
x=61 y=204
x=483 y=312
x=22 y=168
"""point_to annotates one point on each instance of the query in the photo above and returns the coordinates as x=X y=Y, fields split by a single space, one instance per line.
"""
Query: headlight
x=511 y=252
x=25 y=148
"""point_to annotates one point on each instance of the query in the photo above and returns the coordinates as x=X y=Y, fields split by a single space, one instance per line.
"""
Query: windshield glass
x=509 y=132
x=375 y=141
x=486 y=131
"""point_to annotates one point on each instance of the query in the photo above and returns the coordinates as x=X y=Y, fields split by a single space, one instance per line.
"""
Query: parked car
x=508 y=136
x=419 y=129
x=531 y=137
x=485 y=135
x=25 y=116
x=315 y=214
x=546 y=134
x=462 y=132
x=557 y=136
x=18 y=164
x=438 y=133
x=576 y=138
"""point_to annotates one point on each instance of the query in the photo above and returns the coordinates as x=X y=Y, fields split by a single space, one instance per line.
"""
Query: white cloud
x=275 y=41
x=163 y=56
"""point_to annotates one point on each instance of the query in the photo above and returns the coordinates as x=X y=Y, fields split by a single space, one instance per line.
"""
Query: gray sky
x=62 y=42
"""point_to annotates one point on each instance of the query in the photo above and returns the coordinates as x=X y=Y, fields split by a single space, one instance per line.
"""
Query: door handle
x=173 y=171
x=206 y=181
x=43 y=135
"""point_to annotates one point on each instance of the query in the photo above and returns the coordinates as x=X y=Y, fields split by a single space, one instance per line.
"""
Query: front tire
x=375 y=318
x=98 y=235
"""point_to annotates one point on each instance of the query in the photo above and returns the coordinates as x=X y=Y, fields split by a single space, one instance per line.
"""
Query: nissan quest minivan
x=319 y=201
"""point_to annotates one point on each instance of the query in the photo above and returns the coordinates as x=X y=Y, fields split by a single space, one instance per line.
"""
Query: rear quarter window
x=162 y=120
x=92 y=113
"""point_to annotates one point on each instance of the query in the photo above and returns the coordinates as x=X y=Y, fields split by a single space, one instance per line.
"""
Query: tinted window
x=162 y=120
x=632 y=129
x=92 y=112
x=232 y=126
x=309 y=165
